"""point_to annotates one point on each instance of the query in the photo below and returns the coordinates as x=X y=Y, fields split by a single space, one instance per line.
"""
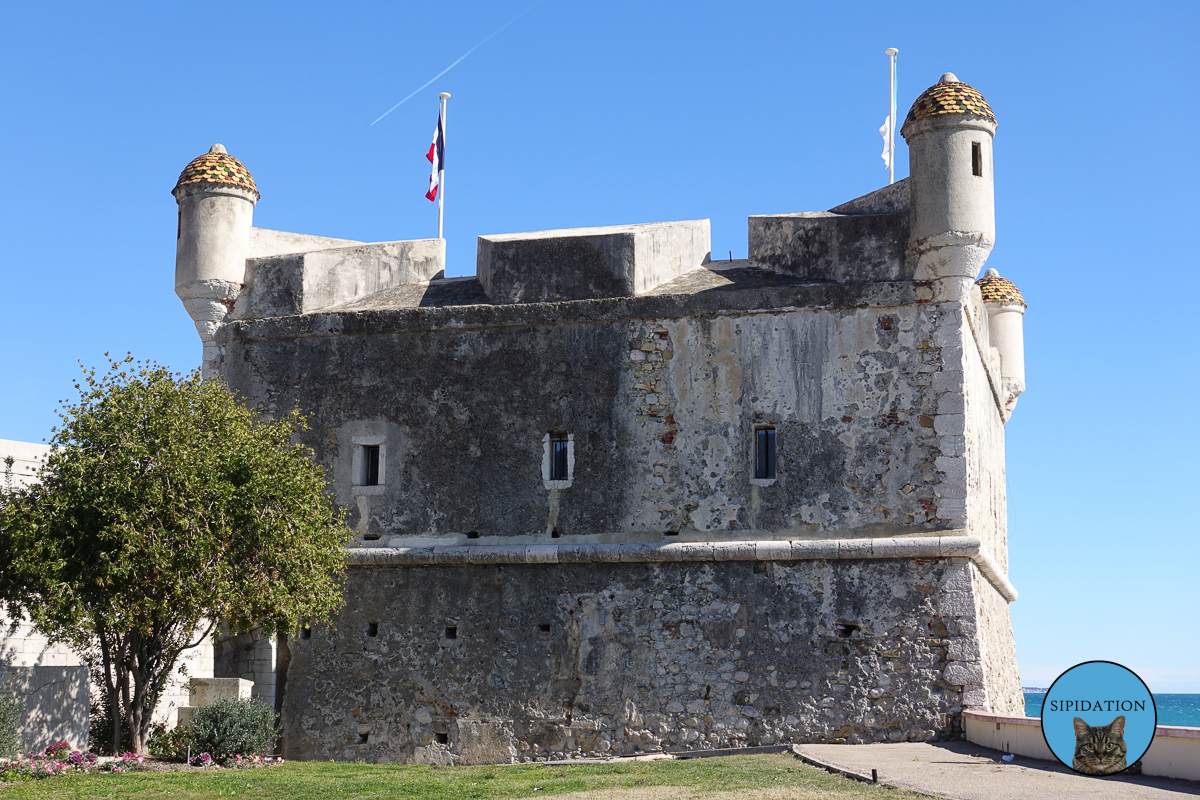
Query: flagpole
x=891 y=144
x=444 y=96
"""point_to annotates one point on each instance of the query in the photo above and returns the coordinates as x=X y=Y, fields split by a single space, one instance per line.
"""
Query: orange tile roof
x=999 y=290
x=949 y=98
x=217 y=167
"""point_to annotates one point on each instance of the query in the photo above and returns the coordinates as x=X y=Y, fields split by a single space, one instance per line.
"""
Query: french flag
x=437 y=157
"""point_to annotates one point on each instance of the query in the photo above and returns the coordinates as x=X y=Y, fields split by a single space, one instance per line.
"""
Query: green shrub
x=234 y=727
x=12 y=706
x=172 y=744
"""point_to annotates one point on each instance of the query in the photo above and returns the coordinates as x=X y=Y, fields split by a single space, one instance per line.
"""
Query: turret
x=216 y=197
x=1005 y=309
x=952 y=224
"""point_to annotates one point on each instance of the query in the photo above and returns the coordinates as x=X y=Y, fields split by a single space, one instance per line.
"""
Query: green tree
x=167 y=505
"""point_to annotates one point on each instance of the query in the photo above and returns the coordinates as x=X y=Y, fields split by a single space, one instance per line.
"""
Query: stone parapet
x=302 y=283
x=1174 y=752
x=770 y=299
x=589 y=263
x=824 y=246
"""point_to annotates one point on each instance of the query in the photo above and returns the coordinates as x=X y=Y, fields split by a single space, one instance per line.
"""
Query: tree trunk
x=114 y=711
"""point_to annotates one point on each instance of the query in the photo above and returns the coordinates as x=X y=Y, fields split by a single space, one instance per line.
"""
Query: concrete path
x=966 y=771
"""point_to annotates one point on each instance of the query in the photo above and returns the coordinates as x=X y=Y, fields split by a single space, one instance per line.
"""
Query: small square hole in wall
x=306 y=633
x=363 y=737
x=472 y=534
x=451 y=632
x=554 y=534
x=442 y=738
x=372 y=629
x=370 y=537
x=544 y=627
x=846 y=629
x=670 y=533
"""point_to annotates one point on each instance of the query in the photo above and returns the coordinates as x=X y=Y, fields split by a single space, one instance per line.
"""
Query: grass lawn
x=763 y=776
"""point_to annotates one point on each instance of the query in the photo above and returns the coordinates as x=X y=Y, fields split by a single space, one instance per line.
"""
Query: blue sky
x=593 y=114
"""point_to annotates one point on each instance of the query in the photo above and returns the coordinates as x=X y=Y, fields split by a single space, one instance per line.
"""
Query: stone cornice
x=957 y=546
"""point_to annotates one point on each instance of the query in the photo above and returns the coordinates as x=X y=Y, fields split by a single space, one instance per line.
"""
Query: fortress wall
x=483 y=664
x=987 y=512
x=662 y=410
x=998 y=652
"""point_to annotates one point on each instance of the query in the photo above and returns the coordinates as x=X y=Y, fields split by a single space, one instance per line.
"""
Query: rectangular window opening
x=558 y=457
x=764 y=453
x=977 y=159
x=370 y=465
x=372 y=629
x=442 y=738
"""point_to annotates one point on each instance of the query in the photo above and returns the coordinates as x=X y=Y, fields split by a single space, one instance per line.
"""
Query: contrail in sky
x=460 y=58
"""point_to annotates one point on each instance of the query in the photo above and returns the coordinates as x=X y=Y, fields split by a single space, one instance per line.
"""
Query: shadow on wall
x=56 y=705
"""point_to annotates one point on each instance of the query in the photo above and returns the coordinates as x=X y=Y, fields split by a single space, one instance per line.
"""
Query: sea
x=1173 y=709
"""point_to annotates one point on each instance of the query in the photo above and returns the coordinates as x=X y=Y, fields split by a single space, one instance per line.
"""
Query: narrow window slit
x=372 y=629
x=764 y=453
x=370 y=465
x=977 y=159
x=558 y=457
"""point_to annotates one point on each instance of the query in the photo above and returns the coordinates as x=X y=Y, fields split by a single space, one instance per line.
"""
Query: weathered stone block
x=814 y=548
x=823 y=246
x=203 y=691
x=302 y=283
x=588 y=263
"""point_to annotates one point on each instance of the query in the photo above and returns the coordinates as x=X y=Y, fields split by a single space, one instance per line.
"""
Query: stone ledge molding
x=796 y=550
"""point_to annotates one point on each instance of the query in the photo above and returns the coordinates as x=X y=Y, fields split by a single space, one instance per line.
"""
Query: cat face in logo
x=1099 y=750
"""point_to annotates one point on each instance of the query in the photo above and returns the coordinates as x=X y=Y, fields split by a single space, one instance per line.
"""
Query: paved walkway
x=966 y=771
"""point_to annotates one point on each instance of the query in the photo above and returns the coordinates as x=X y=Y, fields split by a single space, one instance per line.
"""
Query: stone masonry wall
x=250 y=656
x=495 y=664
x=662 y=410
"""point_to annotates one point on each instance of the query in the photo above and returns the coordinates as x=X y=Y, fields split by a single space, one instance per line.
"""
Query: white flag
x=886 y=133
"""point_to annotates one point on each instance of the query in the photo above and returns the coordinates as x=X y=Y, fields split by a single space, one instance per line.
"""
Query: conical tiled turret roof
x=217 y=166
